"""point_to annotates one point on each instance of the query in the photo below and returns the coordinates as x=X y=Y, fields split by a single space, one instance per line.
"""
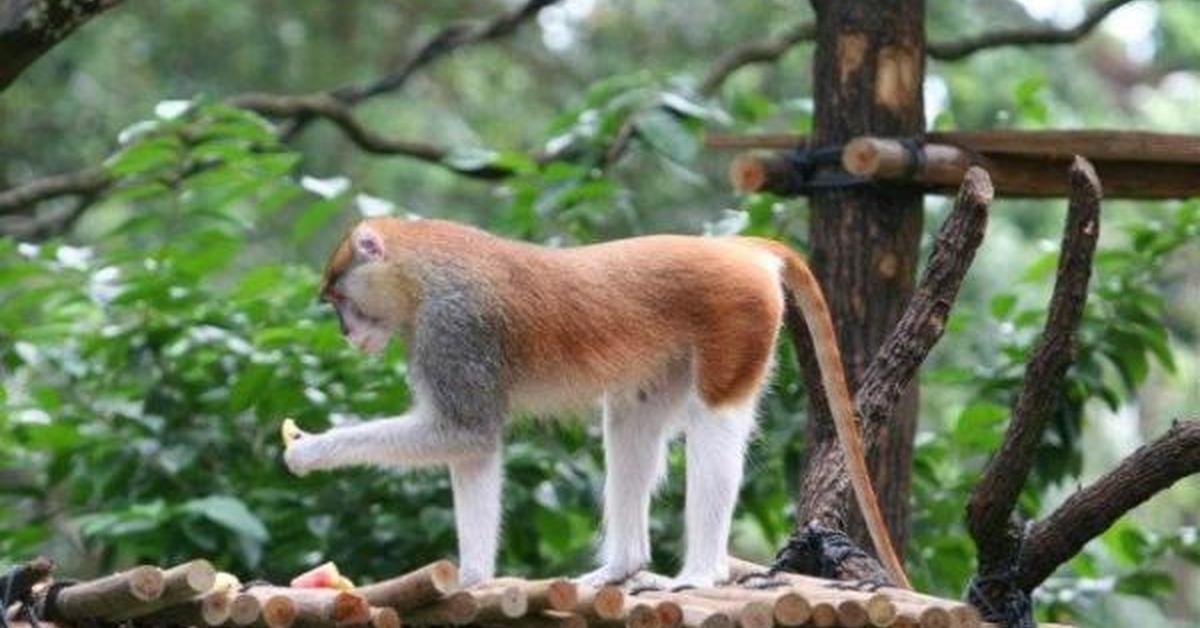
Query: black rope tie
x=915 y=163
x=821 y=168
x=1008 y=605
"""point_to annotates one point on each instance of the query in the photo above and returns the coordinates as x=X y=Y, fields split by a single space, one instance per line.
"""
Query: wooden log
x=546 y=595
x=697 y=612
x=384 y=617
x=553 y=619
x=245 y=609
x=499 y=602
x=966 y=616
x=824 y=615
x=275 y=610
x=927 y=615
x=210 y=609
x=321 y=607
x=606 y=603
x=788 y=607
x=765 y=172
x=418 y=588
x=106 y=597
x=668 y=614
x=1020 y=164
x=875 y=158
x=180 y=583
x=455 y=609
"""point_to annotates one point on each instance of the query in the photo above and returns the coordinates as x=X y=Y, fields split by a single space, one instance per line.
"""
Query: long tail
x=805 y=294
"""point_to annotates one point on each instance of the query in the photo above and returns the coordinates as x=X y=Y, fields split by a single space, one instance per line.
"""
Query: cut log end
x=216 y=608
x=383 y=617
x=935 y=617
x=852 y=614
x=278 y=612
x=880 y=610
x=443 y=575
x=718 y=620
x=146 y=583
x=245 y=609
x=824 y=615
x=861 y=156
x=756 y=615
x=667 y=614
x=608 y=602
x=562 y=595
x=350 y=609
x=748 y=173
x=792 y=609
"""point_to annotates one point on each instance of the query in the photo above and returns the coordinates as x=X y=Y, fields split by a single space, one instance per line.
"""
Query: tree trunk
x=868 y=72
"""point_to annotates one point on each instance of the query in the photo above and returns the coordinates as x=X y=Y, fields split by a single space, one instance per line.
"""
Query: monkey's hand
x=298 y=451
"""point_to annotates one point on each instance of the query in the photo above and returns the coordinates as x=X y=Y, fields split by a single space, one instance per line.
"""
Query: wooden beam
x=1028 y=164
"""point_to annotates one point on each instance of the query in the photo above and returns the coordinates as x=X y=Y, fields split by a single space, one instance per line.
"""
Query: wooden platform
x=193 y=594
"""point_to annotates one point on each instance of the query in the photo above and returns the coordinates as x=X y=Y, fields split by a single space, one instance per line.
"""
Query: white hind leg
x=716 y=448
x=637 y=427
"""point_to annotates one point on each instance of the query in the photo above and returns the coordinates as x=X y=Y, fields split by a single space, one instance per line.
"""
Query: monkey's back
x=579 y=320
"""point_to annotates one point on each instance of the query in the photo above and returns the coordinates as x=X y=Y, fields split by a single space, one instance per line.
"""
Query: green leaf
x=145 y=156
x=978 y=424
x=230 y=513
x=1002 y=305
x=667 y=135
x=315 y=216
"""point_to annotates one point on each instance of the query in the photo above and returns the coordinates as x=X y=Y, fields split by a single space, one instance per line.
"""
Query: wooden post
x=868 y=71
x=106 y=597
x=418 y=588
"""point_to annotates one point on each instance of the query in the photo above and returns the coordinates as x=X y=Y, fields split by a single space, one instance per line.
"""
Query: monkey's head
x=367 y=288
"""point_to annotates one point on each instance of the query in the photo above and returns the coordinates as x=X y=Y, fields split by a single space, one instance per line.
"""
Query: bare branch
x=1089 y=512
x=747 y=53
x=326 y=106
x=924 y=320
x=451 y=38
x=30 y=28
x=992 y=500
x=1047 y=35
x=81 y=183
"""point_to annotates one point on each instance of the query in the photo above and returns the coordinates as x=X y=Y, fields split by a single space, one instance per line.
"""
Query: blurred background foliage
x=148 y=354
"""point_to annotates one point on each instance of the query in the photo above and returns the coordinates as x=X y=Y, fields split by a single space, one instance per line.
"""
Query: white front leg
x=412 y=439
x=476 y=483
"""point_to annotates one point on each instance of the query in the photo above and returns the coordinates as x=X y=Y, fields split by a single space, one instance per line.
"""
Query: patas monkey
x=669 y=333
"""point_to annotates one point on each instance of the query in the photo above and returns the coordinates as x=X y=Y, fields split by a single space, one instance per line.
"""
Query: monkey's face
x=364 y=319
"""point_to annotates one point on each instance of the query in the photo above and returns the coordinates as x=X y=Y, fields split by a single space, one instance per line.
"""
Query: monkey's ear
x=367 y=244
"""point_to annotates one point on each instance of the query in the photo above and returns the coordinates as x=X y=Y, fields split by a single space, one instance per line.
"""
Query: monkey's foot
x=608 y=574
x=760 y=580
x=648 y=581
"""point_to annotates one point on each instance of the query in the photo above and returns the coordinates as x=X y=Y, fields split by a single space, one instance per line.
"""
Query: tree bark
x=30 y=28
x=868 y=71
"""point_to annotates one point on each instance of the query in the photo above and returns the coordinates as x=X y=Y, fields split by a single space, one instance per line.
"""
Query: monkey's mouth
x=366 y=333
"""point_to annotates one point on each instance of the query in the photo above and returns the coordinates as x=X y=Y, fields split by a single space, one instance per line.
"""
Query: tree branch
x=1083 y=516
x=747 y=53
x=924 y=320
x=84 y=182
x=1047 y=35
x=334 y=105
x=992 y=500
x=30 y=28
x=326 y=106
x=450 y=38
